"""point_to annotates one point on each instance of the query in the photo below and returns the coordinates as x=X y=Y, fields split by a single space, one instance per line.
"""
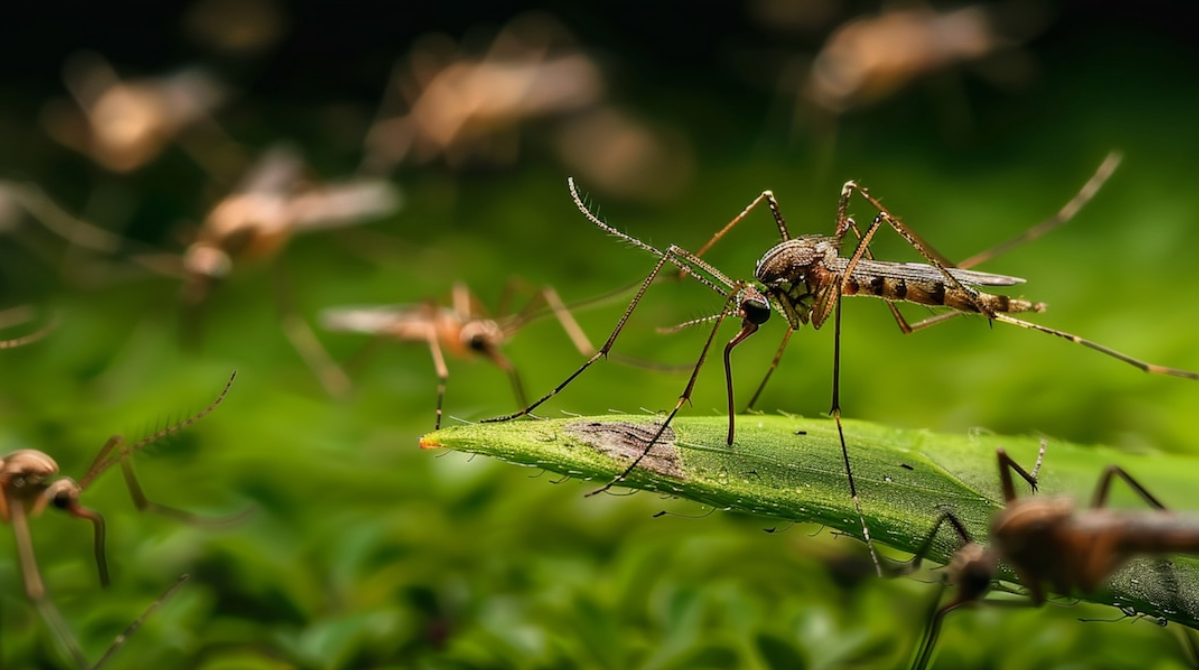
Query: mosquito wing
x=405 y=322
x=922 y=272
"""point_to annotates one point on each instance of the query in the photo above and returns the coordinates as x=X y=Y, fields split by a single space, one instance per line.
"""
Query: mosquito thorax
x=792 y=265
x=1028 y=528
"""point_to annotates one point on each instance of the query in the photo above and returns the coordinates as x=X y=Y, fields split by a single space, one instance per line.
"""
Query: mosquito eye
x=62 y=500
x=477 y=343
x=756 y=311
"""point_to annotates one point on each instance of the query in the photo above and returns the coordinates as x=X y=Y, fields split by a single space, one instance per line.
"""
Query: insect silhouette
x=805 y=279
x=462 y=329
x=1052 y=545
x=123 y=125
x=28 y=487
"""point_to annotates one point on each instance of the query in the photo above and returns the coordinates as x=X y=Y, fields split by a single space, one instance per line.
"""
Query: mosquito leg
x=683 y=398
x=567 y=320
x=925 y=654
x=603 y=351
x=836 y=412
x=1105 y=483
x=1067 y=212
x=144 y=504
x=910 y=566
x=1136 y=363
x=35 y=588
x=137 y=623
x=501 y=361
x=307 y=345
x=443 y=372
x=767 y=196
x=1007 y=466
x=778 y=356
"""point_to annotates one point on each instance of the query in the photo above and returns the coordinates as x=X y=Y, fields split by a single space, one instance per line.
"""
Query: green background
x=366 y=552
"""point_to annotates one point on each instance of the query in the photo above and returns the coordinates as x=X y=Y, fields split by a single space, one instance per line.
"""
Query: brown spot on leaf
x=625 y=441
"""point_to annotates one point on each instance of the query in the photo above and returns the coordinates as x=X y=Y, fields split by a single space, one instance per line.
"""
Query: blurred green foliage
x=365 y=552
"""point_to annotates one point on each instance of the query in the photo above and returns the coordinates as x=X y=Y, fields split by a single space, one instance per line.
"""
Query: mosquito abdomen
x=936 y=294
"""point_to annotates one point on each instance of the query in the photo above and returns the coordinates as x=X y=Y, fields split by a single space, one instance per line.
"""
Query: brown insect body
x=1049 y=542
x=804 y=271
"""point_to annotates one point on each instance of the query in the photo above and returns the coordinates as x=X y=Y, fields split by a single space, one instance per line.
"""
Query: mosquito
x=273 y=202
x=1050 y=543
x=462 y=329
x=123 y=125
x=28 y=487
x=806 y=277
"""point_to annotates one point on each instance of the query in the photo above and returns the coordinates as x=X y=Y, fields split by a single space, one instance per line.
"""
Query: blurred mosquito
x=123 y=125
x=273 y=202
x=464 y=328
x=28 y=488
x=870 y=57
x=467 y=107
x=805 y=278
x=1050 y=543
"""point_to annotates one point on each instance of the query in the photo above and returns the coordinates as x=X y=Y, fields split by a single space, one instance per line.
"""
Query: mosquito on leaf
x=1051 y=544
x=805 y=279
x=29 y=486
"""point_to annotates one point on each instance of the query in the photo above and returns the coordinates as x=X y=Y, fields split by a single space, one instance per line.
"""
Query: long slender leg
x=603 y=351
x=778 y=356
x=443 y=372
x=929 y=642
x=1136 y=363
x=684 y=397
x=144 y=504
x=119 y=641
x=335 y=381
x=1007 y=466
x=1105 y=483
x=836 y=412
x=768 y=197
x=35 y=588
x=1067 y=212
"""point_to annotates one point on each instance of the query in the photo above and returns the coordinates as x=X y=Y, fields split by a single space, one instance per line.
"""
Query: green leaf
x=791 y=468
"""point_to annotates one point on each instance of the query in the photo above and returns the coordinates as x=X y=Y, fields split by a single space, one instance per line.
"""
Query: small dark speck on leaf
x=905 y=466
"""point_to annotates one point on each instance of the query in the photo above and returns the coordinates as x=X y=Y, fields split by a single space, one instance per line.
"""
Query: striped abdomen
x=936 y=294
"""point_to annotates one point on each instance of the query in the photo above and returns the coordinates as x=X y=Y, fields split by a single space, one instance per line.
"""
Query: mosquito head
x=63 y=494
x=971 y=571
x=754 y=306
x=481 y=335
